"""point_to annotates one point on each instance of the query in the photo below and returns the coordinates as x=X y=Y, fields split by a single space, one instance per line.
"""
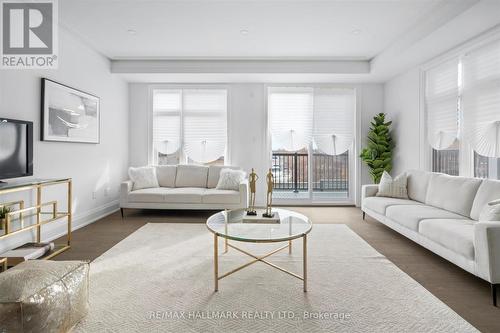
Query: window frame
x=183 y=158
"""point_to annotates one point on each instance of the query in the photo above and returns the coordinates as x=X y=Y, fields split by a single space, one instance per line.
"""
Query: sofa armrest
x=244 y=190
x=125 y=189
x=487 y=250
x=369 y=190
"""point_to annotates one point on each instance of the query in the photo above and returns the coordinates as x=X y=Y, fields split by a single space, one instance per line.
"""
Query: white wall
x=370 y=103
x=93 y=167
x=402 y=104
x=247 y=126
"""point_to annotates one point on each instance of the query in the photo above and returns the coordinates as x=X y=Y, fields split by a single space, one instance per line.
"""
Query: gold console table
x=15 y=220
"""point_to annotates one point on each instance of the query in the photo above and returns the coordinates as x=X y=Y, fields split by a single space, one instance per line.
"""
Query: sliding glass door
x=312 y=139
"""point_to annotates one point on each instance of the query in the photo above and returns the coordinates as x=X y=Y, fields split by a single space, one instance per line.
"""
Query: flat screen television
x=16 y=148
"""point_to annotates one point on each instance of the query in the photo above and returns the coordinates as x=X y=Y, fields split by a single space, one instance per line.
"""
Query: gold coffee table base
x=218 y=277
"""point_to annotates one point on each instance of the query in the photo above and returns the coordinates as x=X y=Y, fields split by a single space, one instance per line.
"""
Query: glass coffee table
x=233 y=225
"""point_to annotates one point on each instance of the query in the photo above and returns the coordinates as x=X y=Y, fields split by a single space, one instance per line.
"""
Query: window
x=446 y=161
x=442 y=102
x=291 y=111
x=312 y=132
x=189 y=126
x=481 y=108
x=462 y=102
x=486 y=167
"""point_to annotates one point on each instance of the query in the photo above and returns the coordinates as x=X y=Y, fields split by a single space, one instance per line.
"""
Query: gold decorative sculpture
x=252 y=179
x=270 y=186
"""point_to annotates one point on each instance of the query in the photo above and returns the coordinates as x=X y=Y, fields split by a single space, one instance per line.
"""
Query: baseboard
x=89 y=217
x=58 y=229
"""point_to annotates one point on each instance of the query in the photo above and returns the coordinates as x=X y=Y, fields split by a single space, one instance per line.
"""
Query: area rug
x=160 y=279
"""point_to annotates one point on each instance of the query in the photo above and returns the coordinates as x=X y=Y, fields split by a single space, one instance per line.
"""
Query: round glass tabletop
x=236 y=225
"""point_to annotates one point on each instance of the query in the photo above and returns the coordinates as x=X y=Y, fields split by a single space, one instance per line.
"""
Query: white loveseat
x=185 y=187
x=442 y=215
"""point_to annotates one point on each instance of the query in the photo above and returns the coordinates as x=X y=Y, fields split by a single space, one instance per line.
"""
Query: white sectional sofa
x=185 y=187
x=442 y=215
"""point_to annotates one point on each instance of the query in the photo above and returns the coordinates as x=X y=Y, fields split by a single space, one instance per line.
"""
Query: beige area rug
x=160 y=279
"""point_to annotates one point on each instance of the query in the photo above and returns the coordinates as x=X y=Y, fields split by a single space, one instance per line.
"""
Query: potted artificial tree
x=378 y=153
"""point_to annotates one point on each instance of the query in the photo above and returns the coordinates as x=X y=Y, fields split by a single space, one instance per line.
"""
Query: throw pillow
x=143 y=177
x=393 y=188
x=166 y=175
x=230 y=179
x=491 y=211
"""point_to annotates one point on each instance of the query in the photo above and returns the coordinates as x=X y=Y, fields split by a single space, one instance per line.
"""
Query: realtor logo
x=29 y=34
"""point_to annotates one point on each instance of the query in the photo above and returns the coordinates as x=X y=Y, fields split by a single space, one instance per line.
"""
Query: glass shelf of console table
x=19 y=184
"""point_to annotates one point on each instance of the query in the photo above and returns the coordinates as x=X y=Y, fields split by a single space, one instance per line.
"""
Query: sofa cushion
x=410 y=215
x=214 y=173
x=148 y=195
x=380 y=204
x=488 y=191
x=166 y=175
x=213 y=196
x=455 y=235
x=191 y=176
x=143 y=177
x=184 y=195
x=455 y=194
x=418 y=183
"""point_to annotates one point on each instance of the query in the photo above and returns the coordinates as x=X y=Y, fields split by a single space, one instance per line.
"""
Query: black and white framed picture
x=68 y=114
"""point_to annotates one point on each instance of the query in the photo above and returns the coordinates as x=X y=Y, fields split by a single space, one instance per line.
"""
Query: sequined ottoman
x=43 y=296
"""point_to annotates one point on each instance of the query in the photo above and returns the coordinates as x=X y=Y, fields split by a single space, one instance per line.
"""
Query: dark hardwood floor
x=466 y=294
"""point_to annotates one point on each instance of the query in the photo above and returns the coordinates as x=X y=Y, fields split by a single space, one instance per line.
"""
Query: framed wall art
x=69 y=114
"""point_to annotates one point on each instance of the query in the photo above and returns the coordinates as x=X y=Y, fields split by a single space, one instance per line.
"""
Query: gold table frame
x=38 y=211
x=261 y=258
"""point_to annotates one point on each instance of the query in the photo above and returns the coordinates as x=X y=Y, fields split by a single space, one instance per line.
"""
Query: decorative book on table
x=27 y=251
x=261 y=219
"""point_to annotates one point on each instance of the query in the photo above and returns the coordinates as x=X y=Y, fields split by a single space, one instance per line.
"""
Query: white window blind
x=441 y=102
x=481 y=99
x=205 y=124
x=193 y=121
x=291 y=117
x=166 y=121
x=333 y=129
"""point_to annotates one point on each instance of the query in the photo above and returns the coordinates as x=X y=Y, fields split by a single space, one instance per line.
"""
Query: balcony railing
x=329 y=173
x=481 y=166
x=446 y=161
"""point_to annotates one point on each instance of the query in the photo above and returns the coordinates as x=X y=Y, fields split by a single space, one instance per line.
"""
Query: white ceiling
x=205 y=28
x=335 y=30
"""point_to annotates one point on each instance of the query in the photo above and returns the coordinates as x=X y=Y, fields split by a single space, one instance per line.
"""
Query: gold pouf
x=43 y=296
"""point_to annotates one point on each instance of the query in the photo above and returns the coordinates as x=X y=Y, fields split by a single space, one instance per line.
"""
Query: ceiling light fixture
x=132 y=31
x=355 y=31
x=244 y=32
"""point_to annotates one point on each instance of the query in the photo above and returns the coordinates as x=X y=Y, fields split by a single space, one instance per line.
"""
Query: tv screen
x=16 y=148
